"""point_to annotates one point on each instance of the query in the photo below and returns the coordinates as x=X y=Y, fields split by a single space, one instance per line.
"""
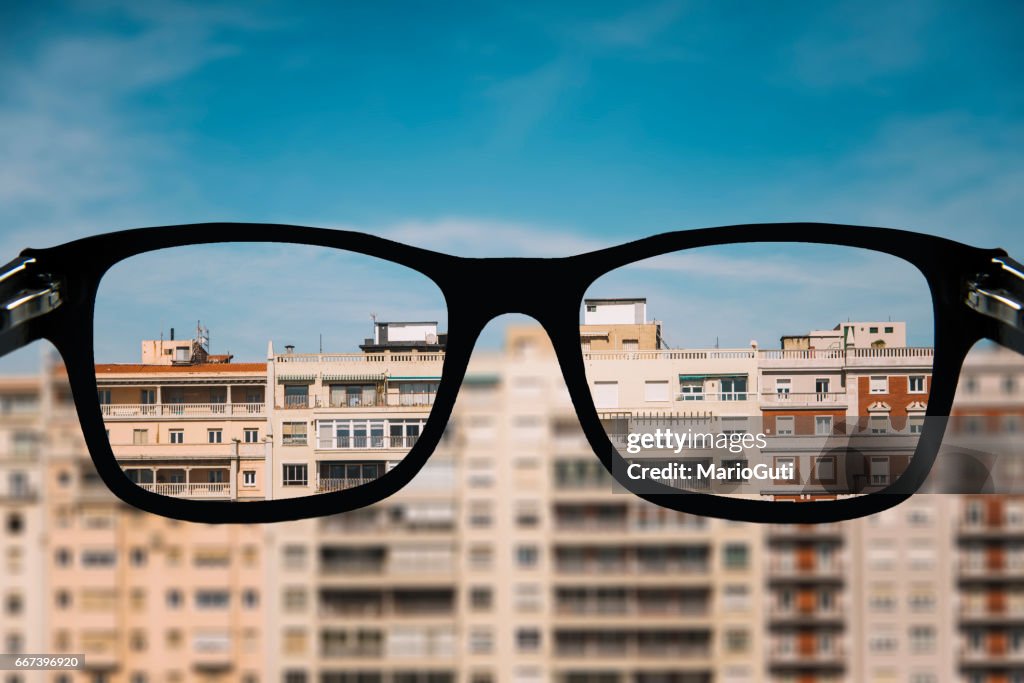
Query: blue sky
x=523 y=129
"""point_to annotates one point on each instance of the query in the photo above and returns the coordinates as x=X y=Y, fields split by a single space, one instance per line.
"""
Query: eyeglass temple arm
x=998 y=294
x=26 y=294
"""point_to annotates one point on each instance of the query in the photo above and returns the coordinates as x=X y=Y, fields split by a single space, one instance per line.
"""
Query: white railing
x=422 y=398
x=115 y=410
x=764 y=354
x=671 y=354
x=189 y=490
x=803 y=398
x=715 y=396
x=801 y=354
x=366 y=442
x=385 y=357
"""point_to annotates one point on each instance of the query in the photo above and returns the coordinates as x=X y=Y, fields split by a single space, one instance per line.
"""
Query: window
x=296 y=395
x=173 y=598
x=606 y=395
x=251 y=435
x=104 y=396
x=293 y=434
x=527 y=555
x=784 y=425
x=825 y=469
x=888 y=329
x=734 y=389
x=823 y=425
x=250 y=598
x=691 y=390
x=248 y=477
x=14 y=523
x=655 y=390
x=879 y=471
x=294 y=599
x=138 y=557
x=1009 y=384
x=591 y=308
x=879 y=424
x=915 y=384
x=177 y=436
x=98 y=558
x=480 y=598
x=916 y=423
x=736 y=556
x=480 y=513
x=295 y=557
x=922 y=638
x=528 y=597
x=481 y=641
x=215 y=435
x=878 y=384
x=737 y=640
x=212 y=599
x=873 y=330
x=140 y=437
x=295 y=475
x=821 y=388
x=528 y=639
x=782 y=388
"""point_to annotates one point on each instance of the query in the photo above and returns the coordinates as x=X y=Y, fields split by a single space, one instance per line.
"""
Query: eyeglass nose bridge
x=548 y=289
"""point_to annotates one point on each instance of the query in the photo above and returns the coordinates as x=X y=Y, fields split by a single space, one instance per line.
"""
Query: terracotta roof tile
x=207 y=368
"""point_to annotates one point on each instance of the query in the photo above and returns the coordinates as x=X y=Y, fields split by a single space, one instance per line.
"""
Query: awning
x=482 y=380
x=414 y=379
x=593 y=333
x=713 y=374
x=296 y=378
x=354 y=378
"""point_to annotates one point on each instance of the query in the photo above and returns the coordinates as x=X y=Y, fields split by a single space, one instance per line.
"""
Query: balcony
x=991 y=571
x=833 y=656
x=715 y=396
x=784 y=614
x=129 y=411
x=991 y=655
x=817 y=571
x=981 y=613
x=337 y=443
x=189 y=490
x=812 y=399
x=329 y=484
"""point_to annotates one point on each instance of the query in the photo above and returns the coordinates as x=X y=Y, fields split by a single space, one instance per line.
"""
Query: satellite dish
x=431 y=338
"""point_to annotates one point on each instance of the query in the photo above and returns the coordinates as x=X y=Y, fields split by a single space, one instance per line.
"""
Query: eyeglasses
x=667 y=346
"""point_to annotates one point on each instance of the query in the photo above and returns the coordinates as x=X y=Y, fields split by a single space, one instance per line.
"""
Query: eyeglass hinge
x=999 y=293
x=24 y=294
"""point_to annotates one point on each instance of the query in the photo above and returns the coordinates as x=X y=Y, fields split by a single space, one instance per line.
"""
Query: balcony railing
x=811 y=398
x=385 y=357
x=177 y=410
x=795 y=655
x=715 y=396
x=392 y=400
x=328 y=484
x=189 y=490
x=367 y=442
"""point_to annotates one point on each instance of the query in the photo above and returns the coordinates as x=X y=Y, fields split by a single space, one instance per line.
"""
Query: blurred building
x=509 y=558
x=145 y=598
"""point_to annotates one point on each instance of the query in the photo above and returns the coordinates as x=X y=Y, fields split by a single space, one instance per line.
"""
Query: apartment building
x=24 y=600
x=984 y=434
x=145 y=598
